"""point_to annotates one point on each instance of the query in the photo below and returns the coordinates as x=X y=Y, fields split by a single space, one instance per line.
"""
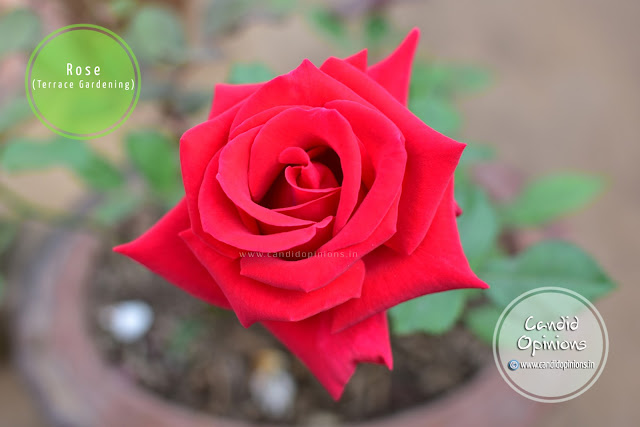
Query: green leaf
x=156 y=157
x=549 y=263
x=156 y=35
x=99 y=174
x=470 y=79
x=481 y=321
x=446 y=81
x=20 y=30
x=475 y=153
x=551 y=197
x=437 y=113
x=478 y=227
x=433 y=313
x=24 y=154
x=185 y=333
x=117 y=207
x=328 y=23
x=249 y=73
x=13 y=112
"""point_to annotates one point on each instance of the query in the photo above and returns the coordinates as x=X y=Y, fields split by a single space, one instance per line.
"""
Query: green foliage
x=156 y=158
x=440 y=114
x=183 y=336
x=249 y=73
x=482 y=321
x=447 y=81
x=116 y=207
x=549 y=263
x=20 y=31
x=156 y=35
x=474 y=153
x=98 y=173
x=478 y=226
x=24 y=154
x=551 y=197
x=433 y=313
x=434 y=89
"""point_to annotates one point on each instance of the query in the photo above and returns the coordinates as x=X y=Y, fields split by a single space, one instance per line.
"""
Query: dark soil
x=201 y=357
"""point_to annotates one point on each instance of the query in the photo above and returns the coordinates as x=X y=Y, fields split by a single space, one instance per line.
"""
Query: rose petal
x=229 y=224
x=228 y=179
x=304 y=128
x=260 y=118
x=394 y=72
x=286 y=192
x=306 y=85
x=162 y=251
x=438 y=264
x=384 y=145
x=314 y=210
x=333 y=357
x=226 y=96
x=358 y=60
x=431 y=157
x=198 y=146
x=253 y=301
x=323 y=267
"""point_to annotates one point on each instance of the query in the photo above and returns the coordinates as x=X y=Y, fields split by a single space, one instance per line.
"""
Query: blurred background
x=563 y=94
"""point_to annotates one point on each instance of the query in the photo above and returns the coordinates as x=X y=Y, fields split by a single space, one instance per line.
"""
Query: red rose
x=315 y=202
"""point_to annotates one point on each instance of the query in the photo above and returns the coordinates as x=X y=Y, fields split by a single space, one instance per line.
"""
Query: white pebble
x=128 y=321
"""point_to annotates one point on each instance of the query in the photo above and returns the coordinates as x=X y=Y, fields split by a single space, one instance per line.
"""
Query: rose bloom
x=315 y=202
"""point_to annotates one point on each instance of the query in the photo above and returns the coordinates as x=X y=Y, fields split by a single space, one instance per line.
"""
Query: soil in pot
x=201 y=357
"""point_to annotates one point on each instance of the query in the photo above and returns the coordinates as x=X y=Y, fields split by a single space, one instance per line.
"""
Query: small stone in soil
x=128 y=321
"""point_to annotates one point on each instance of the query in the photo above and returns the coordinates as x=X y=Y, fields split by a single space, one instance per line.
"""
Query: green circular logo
x=82 y=81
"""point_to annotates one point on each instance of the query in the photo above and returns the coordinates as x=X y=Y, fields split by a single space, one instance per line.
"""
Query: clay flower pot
x=75 y=387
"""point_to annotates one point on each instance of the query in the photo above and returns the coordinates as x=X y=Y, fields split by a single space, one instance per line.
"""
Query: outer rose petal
x=394 y=72
x=198 y=146
x=162 y=251
x=438 y=264
x=253 y=301
x=226 y=96
x=431 y=157
x=306 y=85
x=332 y=357
x=358 y=60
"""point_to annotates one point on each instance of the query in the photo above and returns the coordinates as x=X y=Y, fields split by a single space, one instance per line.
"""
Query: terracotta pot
x=76 y=388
